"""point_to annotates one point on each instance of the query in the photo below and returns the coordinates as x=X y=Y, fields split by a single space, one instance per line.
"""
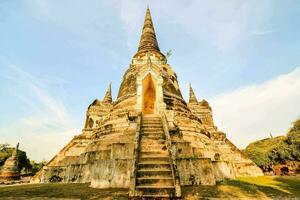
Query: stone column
x=160 y=104
x=139 y=94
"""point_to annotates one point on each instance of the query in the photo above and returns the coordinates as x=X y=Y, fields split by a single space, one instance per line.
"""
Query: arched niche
x=90 y=123
x=148 y=95
x=150 y=92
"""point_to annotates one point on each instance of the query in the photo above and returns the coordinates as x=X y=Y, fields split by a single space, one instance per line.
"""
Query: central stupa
x=149 y=140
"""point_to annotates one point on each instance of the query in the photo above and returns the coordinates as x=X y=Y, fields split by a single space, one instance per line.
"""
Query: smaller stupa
x=10 y=169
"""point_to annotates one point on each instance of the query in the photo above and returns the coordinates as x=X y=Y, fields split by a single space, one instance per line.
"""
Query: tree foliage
x=35 y=167
x=270 y=151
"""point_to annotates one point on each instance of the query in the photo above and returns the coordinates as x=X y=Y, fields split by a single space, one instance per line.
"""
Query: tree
x=293 y=139
x=271 y=151
x=3 y=147
x=23 y=161
x=36 y=166
x=5 y=152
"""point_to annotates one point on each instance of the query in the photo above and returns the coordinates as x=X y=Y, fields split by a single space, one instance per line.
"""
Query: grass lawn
x=60 y=191
x=243 y=188
x=264 y=187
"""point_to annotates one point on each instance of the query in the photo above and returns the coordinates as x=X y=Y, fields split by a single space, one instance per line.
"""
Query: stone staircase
x=155 y=179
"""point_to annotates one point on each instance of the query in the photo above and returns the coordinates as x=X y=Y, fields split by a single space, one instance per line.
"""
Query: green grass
x=61 y=190
x=283 y=184
x=265 y=187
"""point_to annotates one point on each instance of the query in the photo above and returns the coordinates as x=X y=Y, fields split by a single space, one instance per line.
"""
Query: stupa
x=149 y=139
x=10 y=170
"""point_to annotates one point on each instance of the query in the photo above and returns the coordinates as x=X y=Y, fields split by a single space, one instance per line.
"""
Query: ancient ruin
x=149 y=139
x=10 y=170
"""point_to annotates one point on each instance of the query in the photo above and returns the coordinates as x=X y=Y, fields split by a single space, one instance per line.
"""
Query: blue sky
x=57 y=56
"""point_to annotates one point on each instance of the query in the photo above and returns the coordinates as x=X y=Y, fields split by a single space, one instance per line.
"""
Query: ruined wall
x=102 y=157
x=203 y=111
x=204 y=155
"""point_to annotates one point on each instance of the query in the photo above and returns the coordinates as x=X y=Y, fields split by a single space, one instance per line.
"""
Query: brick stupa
x=10 y=170
x=149 y=139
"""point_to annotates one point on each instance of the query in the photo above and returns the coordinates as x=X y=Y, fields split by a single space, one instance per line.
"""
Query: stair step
x=151 y=129
x=150 y=140
x=154 y=137
x=149 y=122
x=147 y=155
x=154 y=162
x=154 y=159
x=154 y=172
x=156 y=196
x=154 y=166
x=152 y=125
x=151 y=117
x=152 y=143
x=151 y=132
x=154 y=147
x=154 y=186
x=161 y=153
x=155 y=178
x=155 y=182
x=156 y=192
x=148 y=172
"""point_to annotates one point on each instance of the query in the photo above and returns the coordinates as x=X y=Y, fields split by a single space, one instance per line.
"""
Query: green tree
x=5 y=152
x=36 y=166
x=293 y=140
x=270 y=151
x=24 y=162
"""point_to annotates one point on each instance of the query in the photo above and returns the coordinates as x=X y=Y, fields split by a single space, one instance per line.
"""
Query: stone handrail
x=136 y=157
x=172 y=152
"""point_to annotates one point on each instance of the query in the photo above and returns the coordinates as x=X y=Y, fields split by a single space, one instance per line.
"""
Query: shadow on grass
x=288 y=186
x=248 y=188
x=291 y=184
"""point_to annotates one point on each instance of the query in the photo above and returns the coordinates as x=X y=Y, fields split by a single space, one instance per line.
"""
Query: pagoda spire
x=193 y=98
x=107 y=98
x=15 y=152
x=148 y=42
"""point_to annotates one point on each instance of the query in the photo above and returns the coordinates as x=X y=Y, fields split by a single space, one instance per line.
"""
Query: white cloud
x=53 y=105
x=40 y=136
x=255 y=111
x=229 y=22
x=47 y=125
